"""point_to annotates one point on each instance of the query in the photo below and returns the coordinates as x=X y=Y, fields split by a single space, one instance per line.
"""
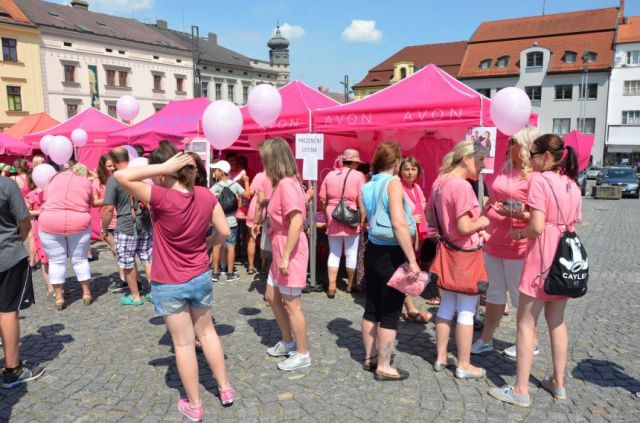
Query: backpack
x=569 y=272
x=228 y=200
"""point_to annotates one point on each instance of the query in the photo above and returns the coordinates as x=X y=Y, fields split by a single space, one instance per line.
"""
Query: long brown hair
x=277 y=160
x=163 y=153
x=103 y=173
x=564 y=162
x=386 y=156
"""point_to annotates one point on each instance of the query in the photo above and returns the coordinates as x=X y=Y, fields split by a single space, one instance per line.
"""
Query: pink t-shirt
x=260 y=183
x=453 y=198
x=417 y=202
x=541 y=198
x=180 y=224
x=67 y=204
x=287 y=197
x=35 y=199
x=506 y=186
x=330 y=192
x=98 y=191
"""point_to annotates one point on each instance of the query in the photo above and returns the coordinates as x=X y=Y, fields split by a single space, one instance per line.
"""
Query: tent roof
x=31 y=123
x=13 y=147
x=96 y=123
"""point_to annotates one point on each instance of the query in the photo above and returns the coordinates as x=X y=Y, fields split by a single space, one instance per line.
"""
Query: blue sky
x=326 y=43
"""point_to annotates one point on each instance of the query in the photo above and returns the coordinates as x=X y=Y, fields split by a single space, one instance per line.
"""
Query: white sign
x=310 y=169
x=310 y=146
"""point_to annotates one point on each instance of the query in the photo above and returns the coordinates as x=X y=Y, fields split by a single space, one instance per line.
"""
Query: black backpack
x=569 y=272
x=228 y=200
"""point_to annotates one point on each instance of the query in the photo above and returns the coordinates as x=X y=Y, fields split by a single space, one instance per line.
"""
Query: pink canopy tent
x=582 y=143
x=97 y=124
x=12 y=147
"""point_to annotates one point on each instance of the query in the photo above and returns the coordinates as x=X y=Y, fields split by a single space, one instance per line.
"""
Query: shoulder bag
x=380 y=223
x=343 y=213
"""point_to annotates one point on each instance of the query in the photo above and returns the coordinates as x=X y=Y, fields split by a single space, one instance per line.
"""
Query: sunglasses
x=532 y=154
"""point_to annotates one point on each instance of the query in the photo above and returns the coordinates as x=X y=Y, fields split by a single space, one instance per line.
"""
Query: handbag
x=459 y=270
x=343 y=212
x=380 y=222
x=403 y=281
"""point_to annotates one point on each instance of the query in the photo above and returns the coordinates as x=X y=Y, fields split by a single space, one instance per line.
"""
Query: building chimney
x=80 y=4
x=621 y=13
x=213 y=38
x=161 y=23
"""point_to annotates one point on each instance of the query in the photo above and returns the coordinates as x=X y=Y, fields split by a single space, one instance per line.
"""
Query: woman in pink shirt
x=350 y=181
x=34 y=200
x=180 y=275
x=260 y=185
x=65 y=231
x=22 y=172
x=503 y=256
x=286 y=212
x=455 y=211
x=554 y=203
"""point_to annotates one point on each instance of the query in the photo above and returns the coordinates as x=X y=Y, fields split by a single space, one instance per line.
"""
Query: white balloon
x=127 y=107
x=222 y=124
x=133 y=154
x=44 y=143
x=60 y=149
x=264 y=104
x=79 y=137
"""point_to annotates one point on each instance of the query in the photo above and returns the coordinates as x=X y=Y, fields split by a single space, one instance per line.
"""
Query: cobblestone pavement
x=108 y=363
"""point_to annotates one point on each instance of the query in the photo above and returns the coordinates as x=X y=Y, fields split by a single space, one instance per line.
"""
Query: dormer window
x=403 y=73
x=534 y=59
x=569 y=57
x=589 y=57
x=502 y=62
x=485 y=64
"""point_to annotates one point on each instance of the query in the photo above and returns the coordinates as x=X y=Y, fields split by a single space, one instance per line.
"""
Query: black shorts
x=16 y=288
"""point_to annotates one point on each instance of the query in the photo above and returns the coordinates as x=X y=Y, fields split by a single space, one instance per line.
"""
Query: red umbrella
x=582 y=143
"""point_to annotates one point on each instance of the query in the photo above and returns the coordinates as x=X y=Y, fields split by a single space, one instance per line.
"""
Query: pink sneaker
x=195 y=414
x=227 y=396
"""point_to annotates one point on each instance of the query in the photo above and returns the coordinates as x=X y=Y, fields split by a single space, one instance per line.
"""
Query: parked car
x=620 y=176
x=593 y=171
x=582 y=182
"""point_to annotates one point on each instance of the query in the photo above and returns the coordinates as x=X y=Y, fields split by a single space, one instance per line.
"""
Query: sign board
x=310 y=146
x=486 y=137
x=310 y=169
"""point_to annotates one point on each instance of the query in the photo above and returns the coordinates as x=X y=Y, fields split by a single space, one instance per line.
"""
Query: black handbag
x=343 y=213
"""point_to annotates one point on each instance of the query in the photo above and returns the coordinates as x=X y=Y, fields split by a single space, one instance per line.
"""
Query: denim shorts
x=233 y=236
x=173 y=298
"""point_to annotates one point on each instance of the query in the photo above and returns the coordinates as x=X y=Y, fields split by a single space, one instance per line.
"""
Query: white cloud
x=113 y=6
x=290 y=32
x=362 y=31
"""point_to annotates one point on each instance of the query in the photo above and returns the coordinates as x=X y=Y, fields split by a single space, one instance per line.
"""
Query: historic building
x=20 y=77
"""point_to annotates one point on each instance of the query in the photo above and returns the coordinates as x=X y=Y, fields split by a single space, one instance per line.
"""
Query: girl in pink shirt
x=34 y=200
x=554 y=203
x=290 y=252
x=260 y=184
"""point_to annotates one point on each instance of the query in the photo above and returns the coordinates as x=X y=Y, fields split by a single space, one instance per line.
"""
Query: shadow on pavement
x=266 y=329
x=347 y=337
x=605 y=373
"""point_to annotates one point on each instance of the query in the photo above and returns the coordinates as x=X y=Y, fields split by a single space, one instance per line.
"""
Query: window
x=403 y=73
x=67 y=44
x=230 y=92
x=111 y=111
x=569 y=57
x=631 y=117
x=502 y=62
x=633 y=57
x=122 y=78
x=157 y=82
x=218 y=91
x=108 y=50
x=590 y=91
x=245 y=94
x=156 y=57
x=631 y=87
x=69 y=73
x=15 y=99
x=587 y=125
x=120 y=51
x=72 y=110
x=111 y=77
x=534 y=93
x=485 y=92
x=561 y=126
x=485 y=64
x=589 y=57
x=205 y=89
x=9 y=50
x=534 y=59
x=179 y=84
x=564 y=92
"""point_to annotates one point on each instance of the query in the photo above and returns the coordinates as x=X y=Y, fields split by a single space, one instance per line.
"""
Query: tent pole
x=314 y=230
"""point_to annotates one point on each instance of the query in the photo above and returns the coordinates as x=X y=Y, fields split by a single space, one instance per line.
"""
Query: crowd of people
x=185 y=232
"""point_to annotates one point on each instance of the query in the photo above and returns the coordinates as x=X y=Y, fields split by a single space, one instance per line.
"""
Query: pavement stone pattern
x=109 y=363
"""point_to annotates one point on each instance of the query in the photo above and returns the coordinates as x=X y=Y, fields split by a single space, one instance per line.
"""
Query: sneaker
x=149 y=297
x=480 y=347
x=294 y=362
x=280 y=350
x=215 y=277
x=26 y=374
x=117 y=286
x=506 y=394
x=232 y=277
x=128 y=300
x=195 y=414
x=511 y=351
x=558 y=393
x=227 y=396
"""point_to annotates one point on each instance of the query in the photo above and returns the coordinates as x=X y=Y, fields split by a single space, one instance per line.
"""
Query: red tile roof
x=11 y=13
x=591 y=30
x=629 y=32
x=447 y=56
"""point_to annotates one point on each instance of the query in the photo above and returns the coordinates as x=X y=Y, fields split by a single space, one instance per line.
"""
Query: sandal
x=433 y=301
x=60 y=305
x=370 y=364
x=251 y=271
x=422 y=317
x=87 y=300
x=331 y=293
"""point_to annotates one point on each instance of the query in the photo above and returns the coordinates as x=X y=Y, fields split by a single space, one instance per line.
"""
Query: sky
x=333 y=38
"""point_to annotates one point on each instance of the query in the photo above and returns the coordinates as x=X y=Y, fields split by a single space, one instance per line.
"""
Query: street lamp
x=346 y=88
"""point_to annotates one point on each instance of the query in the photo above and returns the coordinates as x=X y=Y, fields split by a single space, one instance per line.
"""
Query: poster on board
x=485 y=136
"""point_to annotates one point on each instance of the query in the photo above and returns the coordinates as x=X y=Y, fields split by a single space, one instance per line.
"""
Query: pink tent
x=582 y=143
x=12 y=147
x=97 y=124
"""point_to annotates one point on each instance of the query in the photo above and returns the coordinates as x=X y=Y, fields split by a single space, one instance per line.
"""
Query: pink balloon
x=127 y=107
x=79 y=137
x=60 y=149
x=510 y=110
x=44 y=143
x=264 y=104
x=133 y=154
x=42 y=174
x=222 y=124
x=138 y=162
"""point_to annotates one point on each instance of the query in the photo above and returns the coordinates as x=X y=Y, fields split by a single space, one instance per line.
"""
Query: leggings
x=350 y=250
x=452 y=302
x=59 y=247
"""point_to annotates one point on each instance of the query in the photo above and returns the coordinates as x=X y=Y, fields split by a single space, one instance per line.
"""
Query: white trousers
x=60 y=247
x=452 y=302
x=350 y=243
x=504 y=276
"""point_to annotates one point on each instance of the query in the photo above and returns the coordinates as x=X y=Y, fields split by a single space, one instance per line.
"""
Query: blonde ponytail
x=462 y=149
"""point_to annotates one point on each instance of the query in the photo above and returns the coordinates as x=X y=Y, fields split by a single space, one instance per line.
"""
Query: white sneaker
x=480 y=347
x=511 y=351
x=280 y=350
x=294 y=362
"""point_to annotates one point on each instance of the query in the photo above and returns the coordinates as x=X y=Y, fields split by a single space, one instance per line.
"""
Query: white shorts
x=350 y=243
x=455 y=303
x=284 y=290
x=504 y=276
